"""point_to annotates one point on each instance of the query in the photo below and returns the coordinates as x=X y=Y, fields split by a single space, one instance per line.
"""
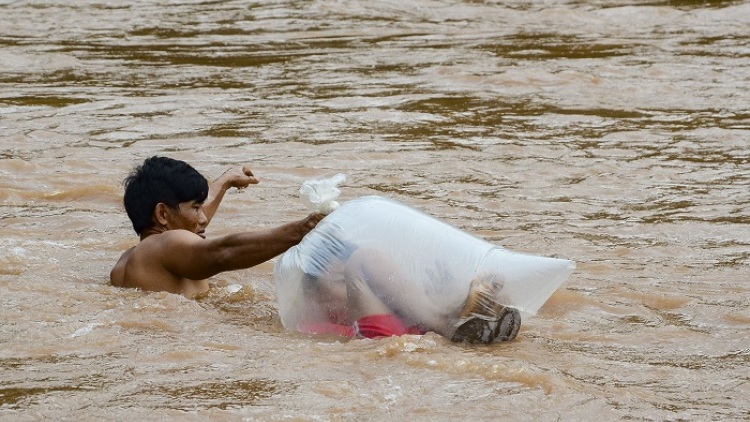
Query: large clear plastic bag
x=427 y=267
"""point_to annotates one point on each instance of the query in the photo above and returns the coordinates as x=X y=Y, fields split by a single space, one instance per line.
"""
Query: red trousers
x=371 y=326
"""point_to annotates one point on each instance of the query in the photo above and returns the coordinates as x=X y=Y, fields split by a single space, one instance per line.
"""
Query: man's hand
x=310 y=222
x=238 y=178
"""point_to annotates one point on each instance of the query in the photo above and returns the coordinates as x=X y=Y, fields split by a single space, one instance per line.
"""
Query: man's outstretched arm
x=195 y=258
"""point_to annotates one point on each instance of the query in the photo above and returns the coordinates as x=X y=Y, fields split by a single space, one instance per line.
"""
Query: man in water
x=170 y=204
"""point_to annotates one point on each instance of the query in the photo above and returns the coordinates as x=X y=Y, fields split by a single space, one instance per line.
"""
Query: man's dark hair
x=161 y=179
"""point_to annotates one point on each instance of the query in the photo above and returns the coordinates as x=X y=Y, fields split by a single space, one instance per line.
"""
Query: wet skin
x=174 y=255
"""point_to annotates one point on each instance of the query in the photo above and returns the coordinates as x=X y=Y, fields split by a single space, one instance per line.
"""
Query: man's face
x=190 y=217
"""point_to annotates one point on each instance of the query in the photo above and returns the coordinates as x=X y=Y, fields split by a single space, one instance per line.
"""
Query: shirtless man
x=170 y=204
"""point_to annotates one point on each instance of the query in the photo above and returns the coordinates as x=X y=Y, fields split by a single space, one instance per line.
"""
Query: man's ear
x=160 y=213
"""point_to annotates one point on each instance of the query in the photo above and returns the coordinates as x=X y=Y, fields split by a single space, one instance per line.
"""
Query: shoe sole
x=485 y=330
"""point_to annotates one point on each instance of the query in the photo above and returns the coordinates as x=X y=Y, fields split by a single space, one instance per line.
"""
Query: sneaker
x=483 y=319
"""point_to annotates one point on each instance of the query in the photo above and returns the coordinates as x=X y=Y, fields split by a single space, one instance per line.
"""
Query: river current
x=612 y=133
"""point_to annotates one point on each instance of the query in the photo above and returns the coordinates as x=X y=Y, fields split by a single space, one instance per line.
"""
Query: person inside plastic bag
x=375 y=267
x=353 y=286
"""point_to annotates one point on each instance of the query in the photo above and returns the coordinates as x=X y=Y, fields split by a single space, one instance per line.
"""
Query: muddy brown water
x=613 y=133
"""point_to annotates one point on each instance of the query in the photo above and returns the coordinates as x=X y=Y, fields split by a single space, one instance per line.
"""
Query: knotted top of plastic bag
x=319 y=194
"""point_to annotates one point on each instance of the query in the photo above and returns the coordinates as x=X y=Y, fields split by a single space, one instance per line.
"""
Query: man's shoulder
x=117 y=275
x=146 y=261
x=167 y=238
x=154 y=246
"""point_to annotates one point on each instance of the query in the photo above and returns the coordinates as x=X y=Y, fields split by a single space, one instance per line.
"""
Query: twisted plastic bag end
x=319 y=194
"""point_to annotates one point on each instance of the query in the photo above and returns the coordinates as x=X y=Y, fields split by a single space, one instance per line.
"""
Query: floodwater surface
x=613 y=133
